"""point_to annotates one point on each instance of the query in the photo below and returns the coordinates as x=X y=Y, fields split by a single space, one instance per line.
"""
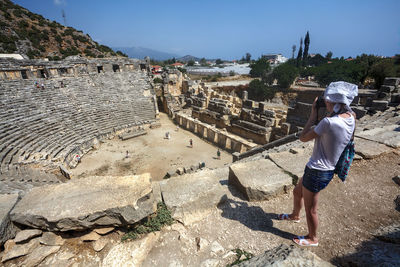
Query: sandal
x=285 y=217
x=302 y=241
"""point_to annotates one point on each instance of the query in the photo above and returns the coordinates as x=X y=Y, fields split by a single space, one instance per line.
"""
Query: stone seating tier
x=39 y=124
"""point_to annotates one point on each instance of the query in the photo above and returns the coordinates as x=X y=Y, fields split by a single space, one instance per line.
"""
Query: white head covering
x=341 y=93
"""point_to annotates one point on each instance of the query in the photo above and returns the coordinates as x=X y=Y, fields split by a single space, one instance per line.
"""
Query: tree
x=306 y=47
x=299 y=54
x=339 y=70
x=203 y=61
x=316 y=60
x=260 y=67
x=285 y=74
x=248 y=57
x=381 y=70
x=293 y=50
x=259 y=91
x=190 y=63
x=218 y=61
x=329 y=55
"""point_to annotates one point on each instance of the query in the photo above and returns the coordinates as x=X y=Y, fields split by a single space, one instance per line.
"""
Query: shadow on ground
x=252 y=217
x=374 y=252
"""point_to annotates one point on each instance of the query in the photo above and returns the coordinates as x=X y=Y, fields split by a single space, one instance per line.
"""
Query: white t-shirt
x=334 y=133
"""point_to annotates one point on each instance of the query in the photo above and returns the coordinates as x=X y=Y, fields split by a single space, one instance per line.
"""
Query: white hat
x=341 y=92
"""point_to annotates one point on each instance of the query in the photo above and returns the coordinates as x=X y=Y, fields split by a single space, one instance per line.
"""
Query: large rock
x=131 y=253
x=388 y=135
x=259 y=180
x=25 y=235
x=284 y=256
x=19 y=250
x=370 y=149
x=87 y=203
x=293 y=161
x=39 y=254
x=7 y=229
x=191 y=197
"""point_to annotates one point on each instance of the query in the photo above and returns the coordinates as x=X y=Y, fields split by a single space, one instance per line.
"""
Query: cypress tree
x=300 y=52
x=306 y=46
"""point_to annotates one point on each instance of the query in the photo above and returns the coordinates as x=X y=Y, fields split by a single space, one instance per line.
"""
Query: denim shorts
x=316 y=180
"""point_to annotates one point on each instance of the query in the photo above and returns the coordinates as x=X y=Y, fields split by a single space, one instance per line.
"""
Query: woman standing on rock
x=331 y=135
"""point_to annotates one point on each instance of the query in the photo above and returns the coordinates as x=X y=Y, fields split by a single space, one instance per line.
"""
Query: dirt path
x=348 y=213
x=151 y=153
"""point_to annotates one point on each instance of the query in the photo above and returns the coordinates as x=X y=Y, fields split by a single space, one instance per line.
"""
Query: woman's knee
x=298 y=191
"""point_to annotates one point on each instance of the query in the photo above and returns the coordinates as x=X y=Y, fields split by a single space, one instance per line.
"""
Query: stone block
x=7 y=229
x=191 y=197
x=379 y=105
x=386 y=89
x=392 y=81
x=360 y=112
x=259 y=180
x=388 y=135
x=285 y=255
x=26 y=235
x=395 y=98
x=370 y=149
x=87 y=203
x=293 y=162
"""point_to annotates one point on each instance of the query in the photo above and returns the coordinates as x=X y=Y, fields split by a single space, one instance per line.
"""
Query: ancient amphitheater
x=57 y=115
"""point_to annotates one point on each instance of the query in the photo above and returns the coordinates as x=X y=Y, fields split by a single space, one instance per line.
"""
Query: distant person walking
x=127 y=154
x=191 y=143
x=218 y=154
x=332 y=135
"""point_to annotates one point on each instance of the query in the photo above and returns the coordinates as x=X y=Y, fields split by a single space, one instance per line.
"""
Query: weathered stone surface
x=92 y=236
x=7 y=229
x=85 y=203
x=389 y=233
x=193 y=196
x=293 y=161
x=285 y=255
x=19 y=250
x=51 y=239
x=130 y=253
x=259 y=180
x=38 y=255
x=370 y=149
x=98 y=245
x=25 y=235
x=104 y=230
x=388 y=135
x=156 y=191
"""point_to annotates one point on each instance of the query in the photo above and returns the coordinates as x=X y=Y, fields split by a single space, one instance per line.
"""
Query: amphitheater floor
x=151 y=153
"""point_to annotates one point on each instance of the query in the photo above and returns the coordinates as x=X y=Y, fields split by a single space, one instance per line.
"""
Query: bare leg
x=311 y=207
x=297 y=200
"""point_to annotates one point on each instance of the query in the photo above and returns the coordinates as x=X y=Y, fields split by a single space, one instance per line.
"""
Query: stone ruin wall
x=13 y=69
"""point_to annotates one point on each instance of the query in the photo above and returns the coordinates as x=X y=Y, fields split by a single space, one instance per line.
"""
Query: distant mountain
x=141 y=52
x=188 y=58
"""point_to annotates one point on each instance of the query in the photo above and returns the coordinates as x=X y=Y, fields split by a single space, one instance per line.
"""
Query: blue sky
x=229 y=28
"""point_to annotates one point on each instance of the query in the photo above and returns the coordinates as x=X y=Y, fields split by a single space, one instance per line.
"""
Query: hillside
x=141 y=52
x=24 y=32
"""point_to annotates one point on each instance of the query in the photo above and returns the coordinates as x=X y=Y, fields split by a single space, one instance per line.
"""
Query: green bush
x=239 y=253
x=22 y=24
x=151 y=224
x=259 y=91
x=58 y=38
x=158 y=80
